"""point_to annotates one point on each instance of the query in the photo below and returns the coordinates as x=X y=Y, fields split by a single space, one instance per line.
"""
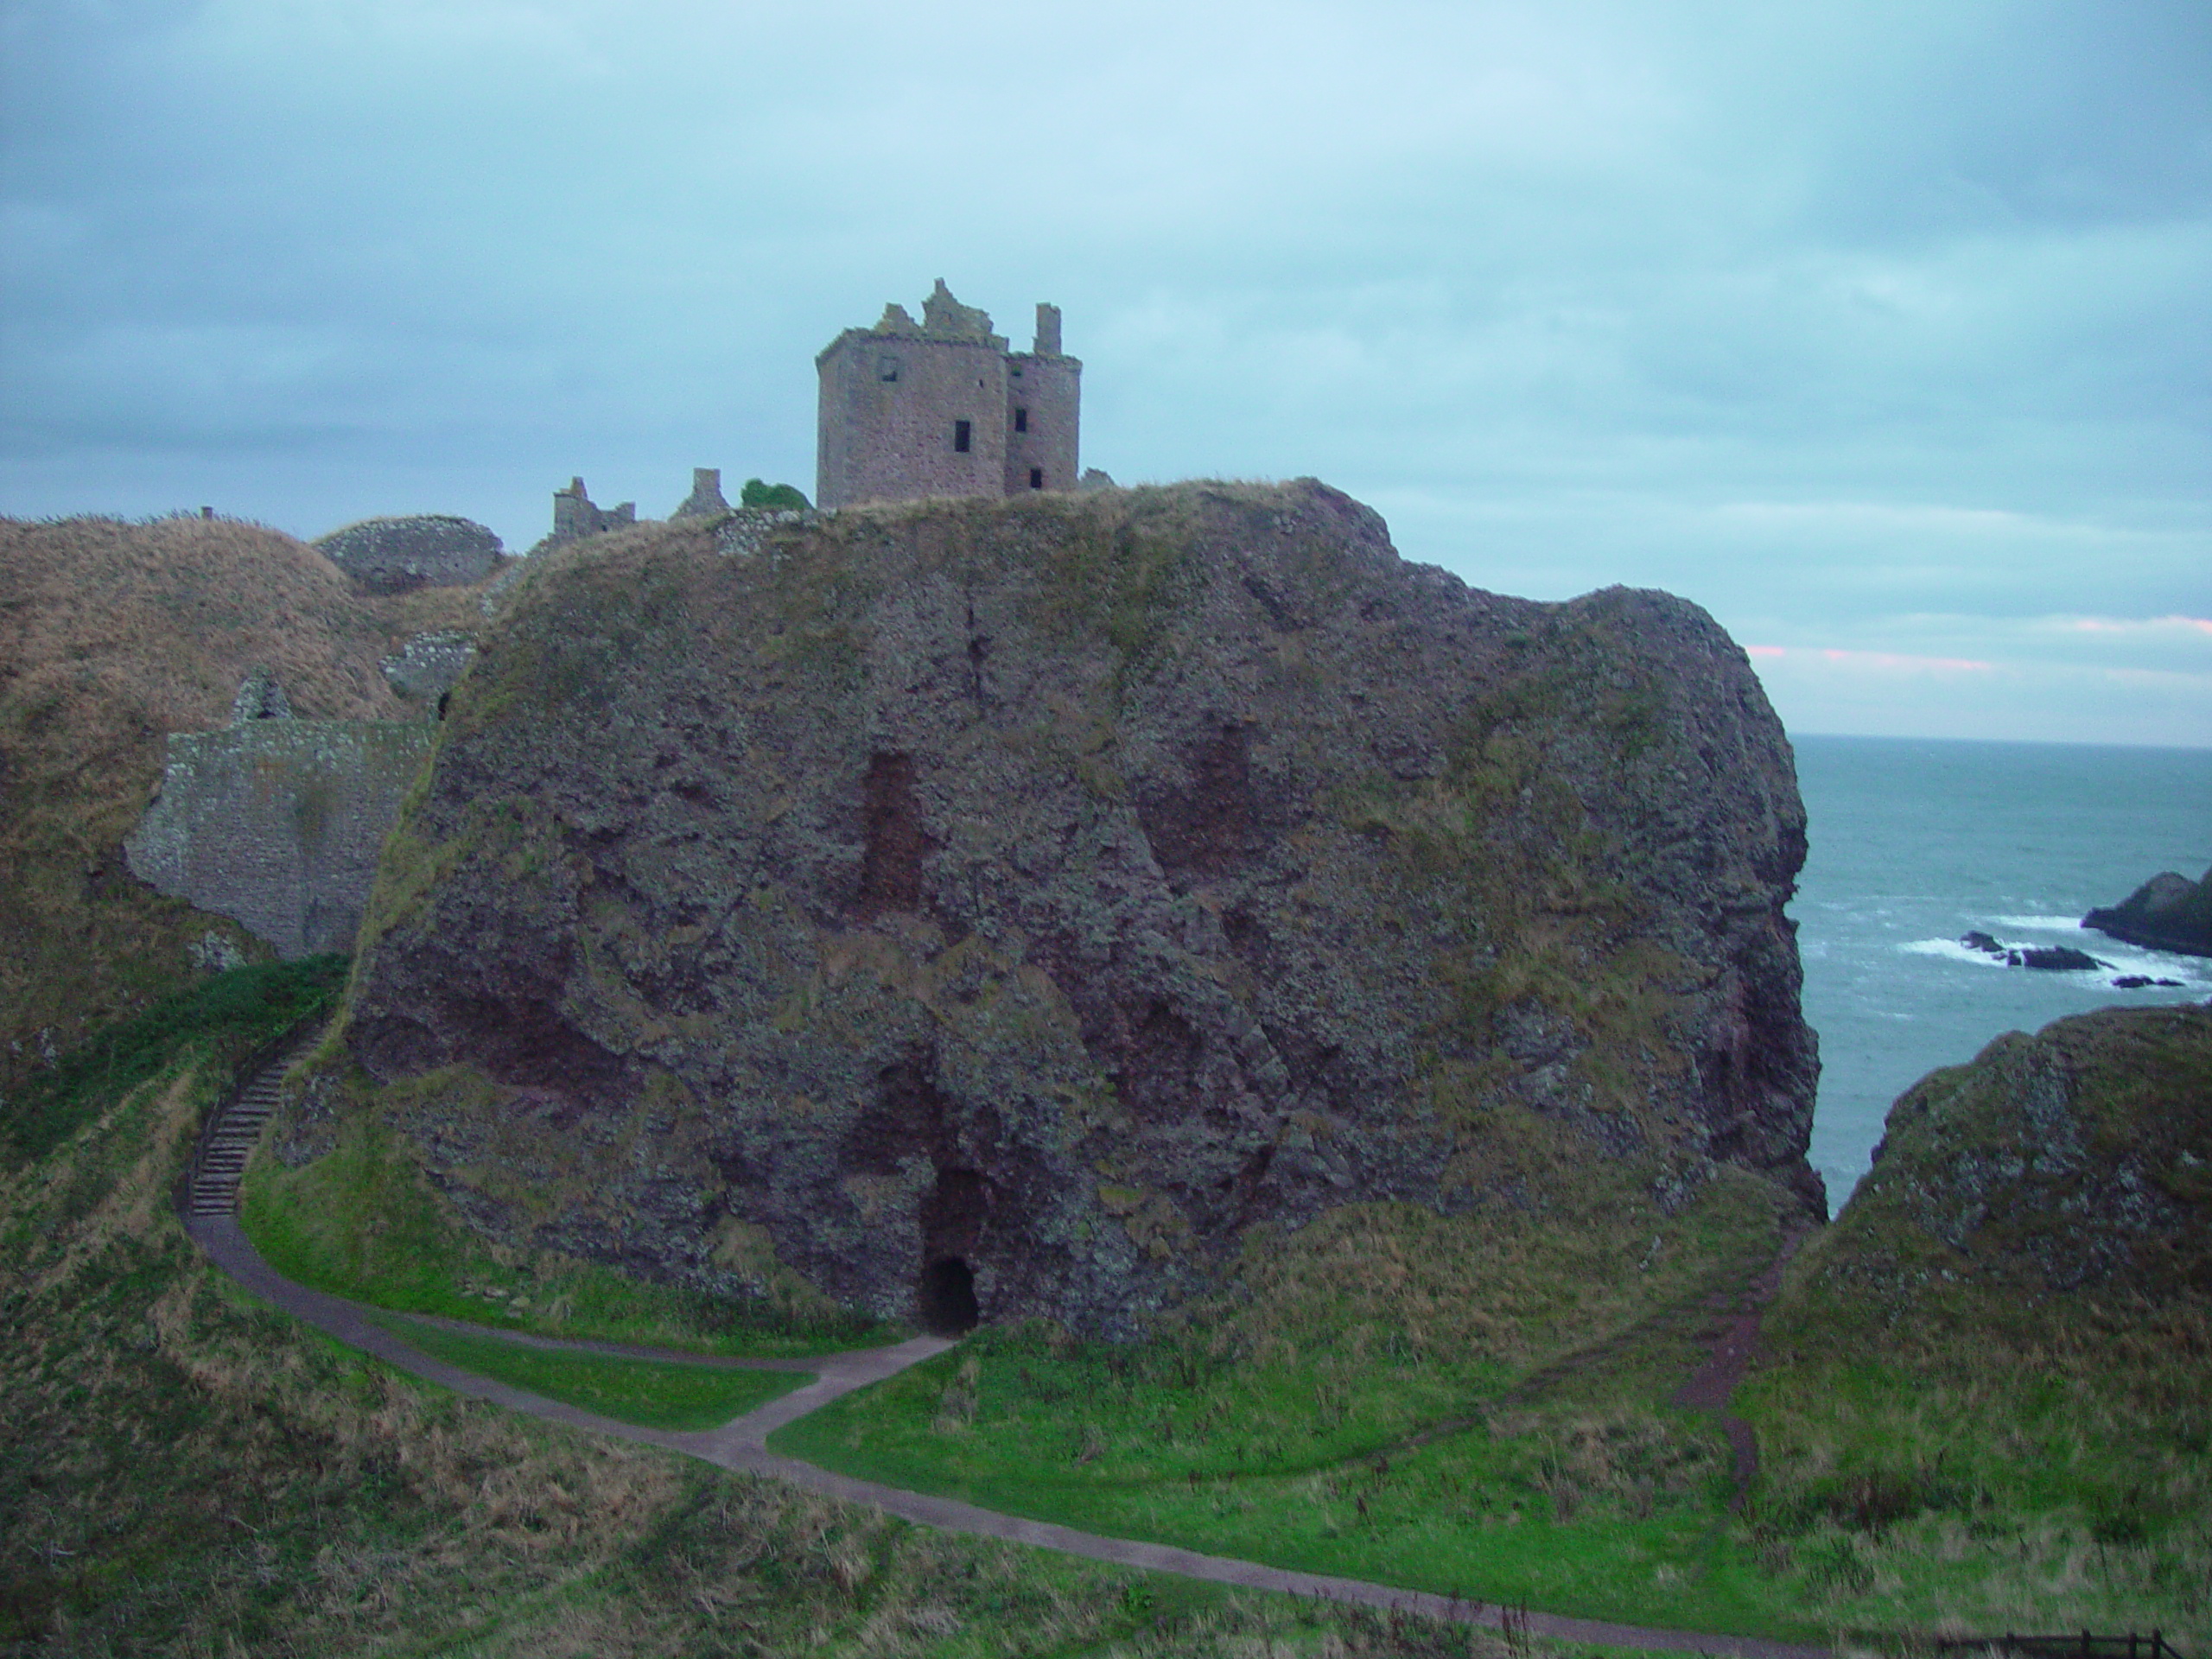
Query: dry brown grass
x=112 y=635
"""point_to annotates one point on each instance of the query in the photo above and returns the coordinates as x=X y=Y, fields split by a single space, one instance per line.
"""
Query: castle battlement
x=943 y=407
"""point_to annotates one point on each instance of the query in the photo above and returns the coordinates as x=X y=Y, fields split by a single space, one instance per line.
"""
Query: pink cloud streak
x=2115 y=625
x=1891 y=660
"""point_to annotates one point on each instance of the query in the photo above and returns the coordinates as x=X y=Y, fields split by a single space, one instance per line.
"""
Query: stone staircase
x=227 y=1142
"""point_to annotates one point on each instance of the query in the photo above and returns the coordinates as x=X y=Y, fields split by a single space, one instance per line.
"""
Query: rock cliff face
x=1024 y=899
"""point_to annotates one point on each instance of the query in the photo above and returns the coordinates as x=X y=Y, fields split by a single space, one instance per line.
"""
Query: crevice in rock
x=979 y=648
x=953 y=1214
x=1212 y=825
x=896 y=843
x=907 y=1118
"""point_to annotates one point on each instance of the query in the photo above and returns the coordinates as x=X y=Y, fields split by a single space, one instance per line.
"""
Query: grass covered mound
x=1983 y=1404
x=183 y=1471
x=113 y=634
x=1473 y=1406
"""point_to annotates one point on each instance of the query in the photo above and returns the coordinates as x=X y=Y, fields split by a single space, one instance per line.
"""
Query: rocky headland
x=1005 y=906
x=2167 y=912
x=2075 y=1160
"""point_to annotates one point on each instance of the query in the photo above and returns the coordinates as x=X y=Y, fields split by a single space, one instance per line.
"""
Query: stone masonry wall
x=895 y=397
x=395 y=555
x=1044 y=398
x=888 y=409
x=277 y=823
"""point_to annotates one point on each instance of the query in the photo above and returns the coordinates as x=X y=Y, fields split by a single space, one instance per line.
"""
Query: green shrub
x=774 y=498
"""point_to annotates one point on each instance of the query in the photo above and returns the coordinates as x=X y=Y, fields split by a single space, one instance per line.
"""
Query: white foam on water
x=2116 y=960
x=1950 y=950
x=2193 y=971
x=2044 y=924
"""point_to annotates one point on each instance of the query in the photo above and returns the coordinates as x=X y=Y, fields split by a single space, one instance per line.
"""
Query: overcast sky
x=1880 y=330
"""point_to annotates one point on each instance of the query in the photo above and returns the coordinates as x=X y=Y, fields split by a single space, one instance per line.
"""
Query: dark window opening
x=444 y=699
x=945 y=1298
x=1022 y=420
x=961 y=431
x=887 y=368
x=1036 y=478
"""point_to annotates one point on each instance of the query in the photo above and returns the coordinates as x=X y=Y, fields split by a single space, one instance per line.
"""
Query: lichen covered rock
x=2076 y=1159
x=1053 y=890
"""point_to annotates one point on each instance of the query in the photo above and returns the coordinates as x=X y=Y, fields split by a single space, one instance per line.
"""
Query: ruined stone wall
x=428 y=666
x=889 y=408
x=706 y=500
x=576 y=516
x=277 y=823
x=395 y=556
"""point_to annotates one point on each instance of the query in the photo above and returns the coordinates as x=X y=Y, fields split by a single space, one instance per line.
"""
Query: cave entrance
x=945 y=1298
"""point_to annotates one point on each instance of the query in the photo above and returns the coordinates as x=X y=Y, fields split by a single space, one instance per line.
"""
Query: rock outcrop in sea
x=1023 y=900
x=2167 y=912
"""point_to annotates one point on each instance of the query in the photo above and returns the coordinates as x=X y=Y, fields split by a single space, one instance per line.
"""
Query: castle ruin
x=576 y=516
x=943 y=408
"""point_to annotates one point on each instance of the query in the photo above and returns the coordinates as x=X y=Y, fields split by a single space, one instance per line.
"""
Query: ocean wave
x=2043 y=924
x=2114 y=959
x=1951 y=950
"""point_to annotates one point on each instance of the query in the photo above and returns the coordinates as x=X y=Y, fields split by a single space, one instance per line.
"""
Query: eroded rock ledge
x=1060 y=887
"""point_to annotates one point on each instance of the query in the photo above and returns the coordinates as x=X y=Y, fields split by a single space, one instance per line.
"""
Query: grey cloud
x=1733 y=298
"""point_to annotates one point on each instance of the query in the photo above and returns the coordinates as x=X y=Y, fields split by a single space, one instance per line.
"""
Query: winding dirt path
x=1712 y=1383
x=741 y=1446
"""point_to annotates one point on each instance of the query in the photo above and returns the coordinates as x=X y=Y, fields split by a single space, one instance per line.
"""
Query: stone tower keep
x=943 y=408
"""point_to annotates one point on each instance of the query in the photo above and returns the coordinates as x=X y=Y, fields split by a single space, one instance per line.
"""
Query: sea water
x=1914 y=842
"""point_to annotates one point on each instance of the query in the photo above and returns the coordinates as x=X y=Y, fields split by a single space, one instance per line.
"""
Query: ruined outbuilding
x=576 y=516
x=943 y=408
x=398 y=555
x=277 y=822
x=706 y=500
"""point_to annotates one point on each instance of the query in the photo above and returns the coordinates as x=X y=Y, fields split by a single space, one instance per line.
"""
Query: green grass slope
x=184 y=1471
x=363 y=1221
x=654 y=1393
x=1984 y=1407
x=1986 y=1404
x=1314 y=1419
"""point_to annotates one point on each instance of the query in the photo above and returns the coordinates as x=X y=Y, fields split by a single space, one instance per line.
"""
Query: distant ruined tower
x=576 y=516
x=944 y=409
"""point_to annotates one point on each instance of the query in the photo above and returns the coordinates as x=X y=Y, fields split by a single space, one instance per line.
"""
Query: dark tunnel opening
x=945 y=1300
